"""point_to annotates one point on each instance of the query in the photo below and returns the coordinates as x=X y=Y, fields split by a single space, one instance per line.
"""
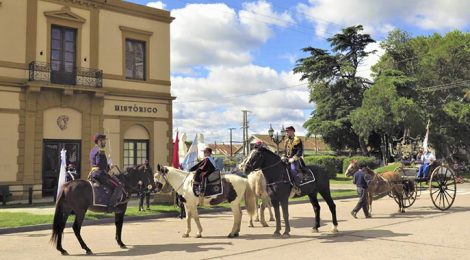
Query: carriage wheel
x=443 y=187
x=409 y=192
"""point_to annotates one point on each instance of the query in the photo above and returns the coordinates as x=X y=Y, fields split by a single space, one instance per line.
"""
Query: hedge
x=370 y=162
x=330 y=164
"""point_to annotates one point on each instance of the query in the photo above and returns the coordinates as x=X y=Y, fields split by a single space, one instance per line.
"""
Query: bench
x=4 y=193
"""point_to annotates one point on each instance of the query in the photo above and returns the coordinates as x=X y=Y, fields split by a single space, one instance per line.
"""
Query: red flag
x=176 y=159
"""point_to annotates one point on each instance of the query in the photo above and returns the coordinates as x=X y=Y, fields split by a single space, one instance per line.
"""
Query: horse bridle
x=167 y=182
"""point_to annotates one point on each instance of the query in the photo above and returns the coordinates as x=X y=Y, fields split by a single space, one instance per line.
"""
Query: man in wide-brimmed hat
x=100 y=168
x=203 y=169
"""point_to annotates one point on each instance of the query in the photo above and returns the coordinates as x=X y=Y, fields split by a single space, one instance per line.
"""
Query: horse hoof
x=315 y=230
x=257 y=219
x=231 y=235
x=236 y=234
x=277 y=234
x=185 y=235
x=334 y=229
x=271 y=219
x=285 y=235
x=251 y=224
x=198 y=236
x=123 y=246
x=89 y=252
x=63 y=252
x=265 y=224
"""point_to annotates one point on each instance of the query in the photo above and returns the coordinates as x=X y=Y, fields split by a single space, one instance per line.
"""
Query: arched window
x=136 y=146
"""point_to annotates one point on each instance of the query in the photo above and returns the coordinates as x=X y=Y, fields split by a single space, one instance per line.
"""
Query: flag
x=176 y=160
x=62 y=171
x=182 y=149
x=200 y=146
x=191 y=157
x=426 y=137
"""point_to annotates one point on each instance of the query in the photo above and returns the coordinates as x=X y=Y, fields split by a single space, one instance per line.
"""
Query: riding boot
x=114 y=198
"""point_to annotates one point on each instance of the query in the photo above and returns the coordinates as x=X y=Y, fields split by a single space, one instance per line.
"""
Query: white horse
x=258 y=185
x=234 y=189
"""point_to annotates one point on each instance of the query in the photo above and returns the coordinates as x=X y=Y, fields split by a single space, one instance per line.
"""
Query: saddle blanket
x=213 y=184
x=102 y=195
x=307 y=176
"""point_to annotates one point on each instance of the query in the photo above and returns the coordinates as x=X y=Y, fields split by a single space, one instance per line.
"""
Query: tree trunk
x=363 y=146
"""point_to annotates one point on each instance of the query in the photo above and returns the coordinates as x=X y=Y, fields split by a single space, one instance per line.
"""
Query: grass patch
x=387 y=168
x=341 y=179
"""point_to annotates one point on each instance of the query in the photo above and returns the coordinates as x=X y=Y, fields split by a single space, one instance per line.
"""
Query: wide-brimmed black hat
x=98 y=136
x=290 y=128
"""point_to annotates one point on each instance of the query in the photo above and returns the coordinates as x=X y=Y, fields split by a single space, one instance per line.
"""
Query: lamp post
x=276 y=138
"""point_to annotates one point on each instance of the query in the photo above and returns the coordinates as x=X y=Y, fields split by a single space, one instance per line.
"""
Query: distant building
x=223 y=149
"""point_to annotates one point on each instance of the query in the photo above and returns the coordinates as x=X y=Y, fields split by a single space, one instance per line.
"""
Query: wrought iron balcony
x=42 y=71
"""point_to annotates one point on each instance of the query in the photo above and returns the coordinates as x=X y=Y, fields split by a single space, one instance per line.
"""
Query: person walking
x=361 y=181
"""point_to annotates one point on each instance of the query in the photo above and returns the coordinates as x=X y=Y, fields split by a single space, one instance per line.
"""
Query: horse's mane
x=266 y=150
x=369 y=170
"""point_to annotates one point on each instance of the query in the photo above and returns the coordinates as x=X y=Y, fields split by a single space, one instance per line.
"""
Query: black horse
x=279 y=187
x=76 y=197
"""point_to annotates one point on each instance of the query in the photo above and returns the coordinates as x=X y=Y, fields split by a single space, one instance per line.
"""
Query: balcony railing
x=42 y=71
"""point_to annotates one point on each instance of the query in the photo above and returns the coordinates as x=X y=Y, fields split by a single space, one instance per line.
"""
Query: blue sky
x=234 y=55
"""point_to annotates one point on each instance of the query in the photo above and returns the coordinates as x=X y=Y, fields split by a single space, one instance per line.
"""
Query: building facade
x=72 y=68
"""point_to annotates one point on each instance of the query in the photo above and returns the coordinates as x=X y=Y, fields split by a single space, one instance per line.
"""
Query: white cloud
x=377 y=16
x=214 y=34
x=228 y=90
x=364 y=69
x=157 y=4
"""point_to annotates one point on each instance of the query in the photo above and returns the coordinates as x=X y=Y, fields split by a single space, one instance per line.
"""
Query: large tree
x=335 y=87
x=436 y=63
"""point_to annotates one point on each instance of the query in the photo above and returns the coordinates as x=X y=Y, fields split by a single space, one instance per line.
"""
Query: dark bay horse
x=76 y=197
x=279 y=188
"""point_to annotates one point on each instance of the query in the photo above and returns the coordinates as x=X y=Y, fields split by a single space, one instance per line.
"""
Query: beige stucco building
x=72 y=68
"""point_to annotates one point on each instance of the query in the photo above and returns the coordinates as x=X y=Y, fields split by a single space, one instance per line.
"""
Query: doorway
x=51 y=162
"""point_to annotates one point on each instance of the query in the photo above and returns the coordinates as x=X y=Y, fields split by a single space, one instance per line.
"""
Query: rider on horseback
x=100 y=168
x=203 y=169
x=294 y=150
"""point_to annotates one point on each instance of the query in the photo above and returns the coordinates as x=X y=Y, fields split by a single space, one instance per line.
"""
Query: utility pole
x=246 y=148
x=231 y=145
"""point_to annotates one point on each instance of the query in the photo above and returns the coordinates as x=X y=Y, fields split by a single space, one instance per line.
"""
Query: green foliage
x=334 y=86
x=330 y=164
x=388 y=168
x=434 y=60
x=370 y=162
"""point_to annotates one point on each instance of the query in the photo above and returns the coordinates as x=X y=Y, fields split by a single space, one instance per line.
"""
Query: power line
x=455 y=84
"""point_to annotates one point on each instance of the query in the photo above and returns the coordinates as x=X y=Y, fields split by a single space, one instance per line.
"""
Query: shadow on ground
x=140 y=250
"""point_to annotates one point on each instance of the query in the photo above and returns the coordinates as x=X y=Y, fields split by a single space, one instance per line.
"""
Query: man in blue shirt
x=361 y=181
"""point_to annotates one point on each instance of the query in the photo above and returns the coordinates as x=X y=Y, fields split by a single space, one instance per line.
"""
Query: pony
x=257 y=183
x=234 y=189
x=380 y=184
x=279 y=187
x=76 y=197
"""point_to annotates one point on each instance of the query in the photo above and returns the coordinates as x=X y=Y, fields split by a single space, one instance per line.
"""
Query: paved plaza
x=423 y=232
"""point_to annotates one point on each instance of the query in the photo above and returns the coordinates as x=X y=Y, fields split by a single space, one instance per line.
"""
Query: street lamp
x=276 y=138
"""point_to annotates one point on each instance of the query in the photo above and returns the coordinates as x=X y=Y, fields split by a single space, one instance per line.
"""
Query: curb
x=42 y=227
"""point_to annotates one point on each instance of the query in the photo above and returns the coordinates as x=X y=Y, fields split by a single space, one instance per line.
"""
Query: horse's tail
x=250 y=200
x=59 y=223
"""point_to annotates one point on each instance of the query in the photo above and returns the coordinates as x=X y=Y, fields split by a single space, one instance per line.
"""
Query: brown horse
x=76 y=197
x=380 y=184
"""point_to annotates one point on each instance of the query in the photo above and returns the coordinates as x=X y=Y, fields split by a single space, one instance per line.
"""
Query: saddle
x=102 y=194
x=212 y=183
x=306 y=176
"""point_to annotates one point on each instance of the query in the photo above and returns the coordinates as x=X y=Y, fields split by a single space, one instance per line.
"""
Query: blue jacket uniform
x=98 y=159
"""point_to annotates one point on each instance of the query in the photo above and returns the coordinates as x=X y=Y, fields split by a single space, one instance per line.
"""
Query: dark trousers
x=141 y=202
x=147 y=199
x=363 y=201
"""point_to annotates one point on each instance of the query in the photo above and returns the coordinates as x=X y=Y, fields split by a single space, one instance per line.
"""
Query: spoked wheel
x=443 y=187
x=409 y=192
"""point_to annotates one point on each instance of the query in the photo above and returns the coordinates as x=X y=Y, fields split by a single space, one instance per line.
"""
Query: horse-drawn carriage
x=441 y=181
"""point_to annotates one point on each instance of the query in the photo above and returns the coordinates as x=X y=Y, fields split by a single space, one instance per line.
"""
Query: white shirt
x=428 y=157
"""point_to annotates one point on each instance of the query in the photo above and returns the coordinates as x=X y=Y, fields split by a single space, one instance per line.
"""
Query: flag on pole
x=62 y=171
x=191 y=157
x=426 y=137
x=176 y=160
